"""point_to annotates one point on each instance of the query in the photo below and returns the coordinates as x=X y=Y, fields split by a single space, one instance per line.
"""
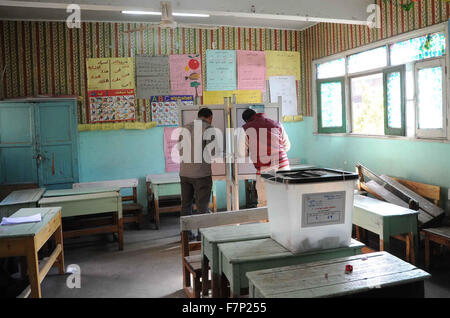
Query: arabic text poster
x=152 y=76
x=251 y=70
x=220 y=70
x=97 y=72
x=283 y=63
x=186 y=74
x=122 y=73
x=284 y=86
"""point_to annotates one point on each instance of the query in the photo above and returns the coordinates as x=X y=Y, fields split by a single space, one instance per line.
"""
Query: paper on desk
x=21 y=219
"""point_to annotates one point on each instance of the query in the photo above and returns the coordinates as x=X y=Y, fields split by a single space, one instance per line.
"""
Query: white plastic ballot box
x=310 y=209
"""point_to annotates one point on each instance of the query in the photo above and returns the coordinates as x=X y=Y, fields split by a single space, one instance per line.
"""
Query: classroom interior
x=90 y=97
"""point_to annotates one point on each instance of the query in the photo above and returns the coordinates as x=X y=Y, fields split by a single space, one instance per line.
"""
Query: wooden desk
x=374 y=275
x=439 y=235
x=19 y=199
x=167 y=185
x=386 y=220
x=79 y=191
x=27 y=239
x=213 y=236
x=88 y=204
x=238 y=258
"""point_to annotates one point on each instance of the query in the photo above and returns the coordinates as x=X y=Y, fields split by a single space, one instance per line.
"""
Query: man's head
x=205 y=114
x=247 y=114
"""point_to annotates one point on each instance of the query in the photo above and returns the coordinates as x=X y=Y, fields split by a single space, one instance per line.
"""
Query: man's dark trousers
x=198 y=189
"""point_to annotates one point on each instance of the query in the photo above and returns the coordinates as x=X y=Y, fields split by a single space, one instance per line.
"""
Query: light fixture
x=141 y=12
x=198 y=15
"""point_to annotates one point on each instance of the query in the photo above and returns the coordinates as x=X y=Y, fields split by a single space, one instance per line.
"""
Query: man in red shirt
x=266 y=143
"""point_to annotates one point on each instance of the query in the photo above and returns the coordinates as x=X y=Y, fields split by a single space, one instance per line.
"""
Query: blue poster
x=221 y=70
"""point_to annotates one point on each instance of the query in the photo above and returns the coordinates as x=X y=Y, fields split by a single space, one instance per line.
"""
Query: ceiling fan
x=168 y=22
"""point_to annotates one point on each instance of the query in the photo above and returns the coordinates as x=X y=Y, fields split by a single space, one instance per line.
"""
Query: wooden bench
x=192 y=264
x=438 y=235
x=409 y=189
x=132 y=210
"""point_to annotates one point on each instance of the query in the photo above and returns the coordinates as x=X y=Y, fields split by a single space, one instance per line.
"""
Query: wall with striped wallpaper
x=49 y=58
x=325 y=39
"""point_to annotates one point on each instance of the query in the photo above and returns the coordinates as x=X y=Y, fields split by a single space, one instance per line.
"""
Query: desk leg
x=427 y=251
x=205 y=278
x=33 y=269
x=156 y=200
x=120 y=233
x=224 y=291
x=59 y=240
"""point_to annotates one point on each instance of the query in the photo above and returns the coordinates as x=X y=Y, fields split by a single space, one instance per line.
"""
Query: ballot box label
x=325 y=208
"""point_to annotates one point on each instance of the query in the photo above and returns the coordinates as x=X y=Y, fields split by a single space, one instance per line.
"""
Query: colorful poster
x=242 y=96
x=152 y=76
x=283 y=63
x=112 y=105
x=251 y=70
x=122 y=73
x=186 y=74
x=284 y=86
x=220 y=70
x=171 y=155
x=97 y=72
x=165 y=110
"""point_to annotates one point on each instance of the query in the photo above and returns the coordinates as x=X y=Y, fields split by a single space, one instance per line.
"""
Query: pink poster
x=251 y=70
x=186 y=74
x=172 y=157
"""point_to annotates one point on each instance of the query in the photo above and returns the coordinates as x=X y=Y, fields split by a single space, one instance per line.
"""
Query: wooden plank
x=28 y=229
x=123 y=183
x=81 y=197
x=388 y=196
x=231 y=233
x=192 y=222
x=428 y=191
x=80 y=191
x=23 y=196
x=424 y=204
x=171 y=177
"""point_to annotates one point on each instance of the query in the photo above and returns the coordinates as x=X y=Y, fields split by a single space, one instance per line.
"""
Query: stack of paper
x=22 y=219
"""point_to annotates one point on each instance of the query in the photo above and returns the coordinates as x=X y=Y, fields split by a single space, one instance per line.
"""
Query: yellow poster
x=122 y=73
x=282 y=63
x=242 y=96
x=98 y=77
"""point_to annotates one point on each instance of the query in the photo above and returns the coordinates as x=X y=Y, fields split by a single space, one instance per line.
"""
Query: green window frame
x=395 y=131
x=335 y=129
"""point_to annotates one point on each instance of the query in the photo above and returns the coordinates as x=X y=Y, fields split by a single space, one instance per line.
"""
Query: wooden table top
x=380 y=207
x=79 y=191
x=229 y=233
x=265 y=249
x=80 y=197
x=442 y=230
x=28 y=229
x=23 y=196
x=328 y=278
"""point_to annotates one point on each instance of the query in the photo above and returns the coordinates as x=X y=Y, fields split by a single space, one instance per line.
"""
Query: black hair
x=204 y=112
x=247 y=114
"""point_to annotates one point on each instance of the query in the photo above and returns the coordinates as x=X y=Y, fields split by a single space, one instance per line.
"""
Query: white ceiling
x=282 y=14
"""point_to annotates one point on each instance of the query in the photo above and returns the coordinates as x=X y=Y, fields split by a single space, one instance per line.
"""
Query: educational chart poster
x=122 y=73
x=282 y=63
x=220 y=70
x=251 y=70
x=112 y=105
x=152 y=76
x=98 y=73
x=284 y=86
x=186 y=74
x=165 y=110
x=171 y=155
x=242 y=96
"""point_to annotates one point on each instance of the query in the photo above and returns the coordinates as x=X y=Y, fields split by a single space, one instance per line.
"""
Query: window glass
x=367 y=104
x=431 y=45
x=367 y=60
x=394 y=100
x=330 y=69
x=331 y=104
x=429 y=83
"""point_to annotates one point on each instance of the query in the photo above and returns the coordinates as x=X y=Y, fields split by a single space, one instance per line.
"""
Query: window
x=431 y=45
x=331 y=111
x=367 y=104
x=396 y=89
x=430 y=105
x=367 y=60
